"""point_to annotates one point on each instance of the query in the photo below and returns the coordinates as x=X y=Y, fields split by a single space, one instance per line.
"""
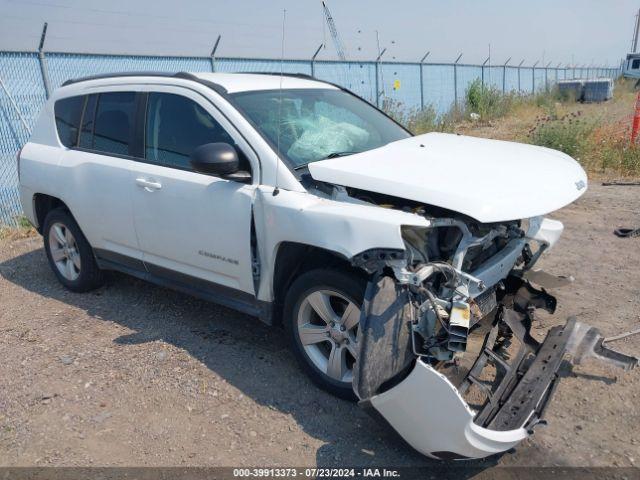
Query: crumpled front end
x=446 y=354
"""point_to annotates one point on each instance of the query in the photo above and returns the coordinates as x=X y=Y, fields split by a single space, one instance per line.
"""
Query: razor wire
x=397 y=86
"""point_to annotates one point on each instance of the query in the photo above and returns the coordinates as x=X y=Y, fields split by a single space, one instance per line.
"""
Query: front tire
x=321 y=316
x=69 y=253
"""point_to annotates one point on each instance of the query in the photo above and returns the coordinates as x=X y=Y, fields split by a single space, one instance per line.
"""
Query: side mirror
x=219 y=159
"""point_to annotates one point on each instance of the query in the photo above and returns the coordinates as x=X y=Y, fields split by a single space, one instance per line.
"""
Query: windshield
x=315 y=124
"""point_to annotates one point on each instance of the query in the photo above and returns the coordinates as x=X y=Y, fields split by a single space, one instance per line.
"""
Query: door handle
x=148 y=185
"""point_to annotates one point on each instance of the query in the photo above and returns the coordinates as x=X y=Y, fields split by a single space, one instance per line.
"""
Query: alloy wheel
x=327 y=327
x=64 y=251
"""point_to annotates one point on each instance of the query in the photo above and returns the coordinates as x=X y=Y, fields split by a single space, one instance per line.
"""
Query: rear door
x=97 y=173
x=192 y=227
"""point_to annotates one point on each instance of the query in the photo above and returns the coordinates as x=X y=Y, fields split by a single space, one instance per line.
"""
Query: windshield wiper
x=331 y=155
x=338 y=154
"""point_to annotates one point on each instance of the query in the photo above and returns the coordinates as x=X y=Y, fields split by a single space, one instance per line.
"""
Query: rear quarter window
x=67 y=113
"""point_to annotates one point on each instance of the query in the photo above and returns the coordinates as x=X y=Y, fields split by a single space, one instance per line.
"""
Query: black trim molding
x=229 y=297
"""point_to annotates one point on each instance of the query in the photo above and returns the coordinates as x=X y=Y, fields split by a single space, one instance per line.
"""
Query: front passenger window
x=175 y=127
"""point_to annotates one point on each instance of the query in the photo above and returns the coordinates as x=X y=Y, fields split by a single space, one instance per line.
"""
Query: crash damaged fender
x=427 y=402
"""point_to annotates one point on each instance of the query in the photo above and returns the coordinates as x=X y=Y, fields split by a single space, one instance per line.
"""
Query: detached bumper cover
x=433 y=417
x=429 y=413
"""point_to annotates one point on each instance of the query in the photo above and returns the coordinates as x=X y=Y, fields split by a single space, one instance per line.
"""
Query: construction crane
x=636 y=31
x=335 y=36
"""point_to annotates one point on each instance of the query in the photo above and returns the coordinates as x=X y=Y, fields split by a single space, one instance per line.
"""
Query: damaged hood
x=489 y=180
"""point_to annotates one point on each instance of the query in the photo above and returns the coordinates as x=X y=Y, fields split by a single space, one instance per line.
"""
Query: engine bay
x=460 y=300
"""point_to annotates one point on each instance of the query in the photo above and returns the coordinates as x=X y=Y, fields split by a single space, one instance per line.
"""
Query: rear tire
x=321 y=314
x=69 y=253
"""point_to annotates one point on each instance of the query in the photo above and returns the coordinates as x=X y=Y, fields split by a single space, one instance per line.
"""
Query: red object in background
x=636 y=120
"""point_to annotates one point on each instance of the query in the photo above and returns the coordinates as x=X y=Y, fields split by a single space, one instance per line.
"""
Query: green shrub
x=421 y=121
x=623 y=158
x=23 y=222
x=568 y=133
x=428 y=120
x=395 y=109
x=487 y=101
x=610 y=149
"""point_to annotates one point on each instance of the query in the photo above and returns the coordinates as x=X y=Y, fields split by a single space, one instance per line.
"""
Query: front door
x=192 y=228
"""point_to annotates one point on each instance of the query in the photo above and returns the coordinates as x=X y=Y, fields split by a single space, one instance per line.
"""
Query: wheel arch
x=292 y=259
x=43 y=204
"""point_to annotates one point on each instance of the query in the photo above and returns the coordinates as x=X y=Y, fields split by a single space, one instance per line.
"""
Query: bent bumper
x=429 y=413
x=433 y=417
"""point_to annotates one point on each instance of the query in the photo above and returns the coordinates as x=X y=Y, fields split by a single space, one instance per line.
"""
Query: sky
x=559 y=31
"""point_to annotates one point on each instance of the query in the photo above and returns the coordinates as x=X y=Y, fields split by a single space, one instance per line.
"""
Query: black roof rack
x=183 y=75
x=285 y=74
x=101 y=76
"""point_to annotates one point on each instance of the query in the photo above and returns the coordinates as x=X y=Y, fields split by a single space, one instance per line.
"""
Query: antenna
x=489 y=58
x=276 y=190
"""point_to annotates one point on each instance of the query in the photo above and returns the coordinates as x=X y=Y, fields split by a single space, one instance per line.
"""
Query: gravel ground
x=134 y=374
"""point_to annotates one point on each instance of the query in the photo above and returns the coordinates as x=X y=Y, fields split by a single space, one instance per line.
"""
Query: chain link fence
x=23 y=77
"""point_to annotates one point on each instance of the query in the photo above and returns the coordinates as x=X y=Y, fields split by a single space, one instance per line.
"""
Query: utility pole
x=43 y=62
x=213 y=53
x=455 y=80
x=313 y=60
x=422 y=79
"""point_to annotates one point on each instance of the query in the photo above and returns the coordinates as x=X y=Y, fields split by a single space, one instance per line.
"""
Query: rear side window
x=636 y=64
x=67 y=112
x=114 y=119
x=175 y=127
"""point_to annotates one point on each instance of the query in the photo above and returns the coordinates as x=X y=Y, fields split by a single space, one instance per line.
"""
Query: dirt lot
x=134 y=374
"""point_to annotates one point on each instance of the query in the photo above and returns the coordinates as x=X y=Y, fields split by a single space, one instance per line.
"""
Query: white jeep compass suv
x=400 y=266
